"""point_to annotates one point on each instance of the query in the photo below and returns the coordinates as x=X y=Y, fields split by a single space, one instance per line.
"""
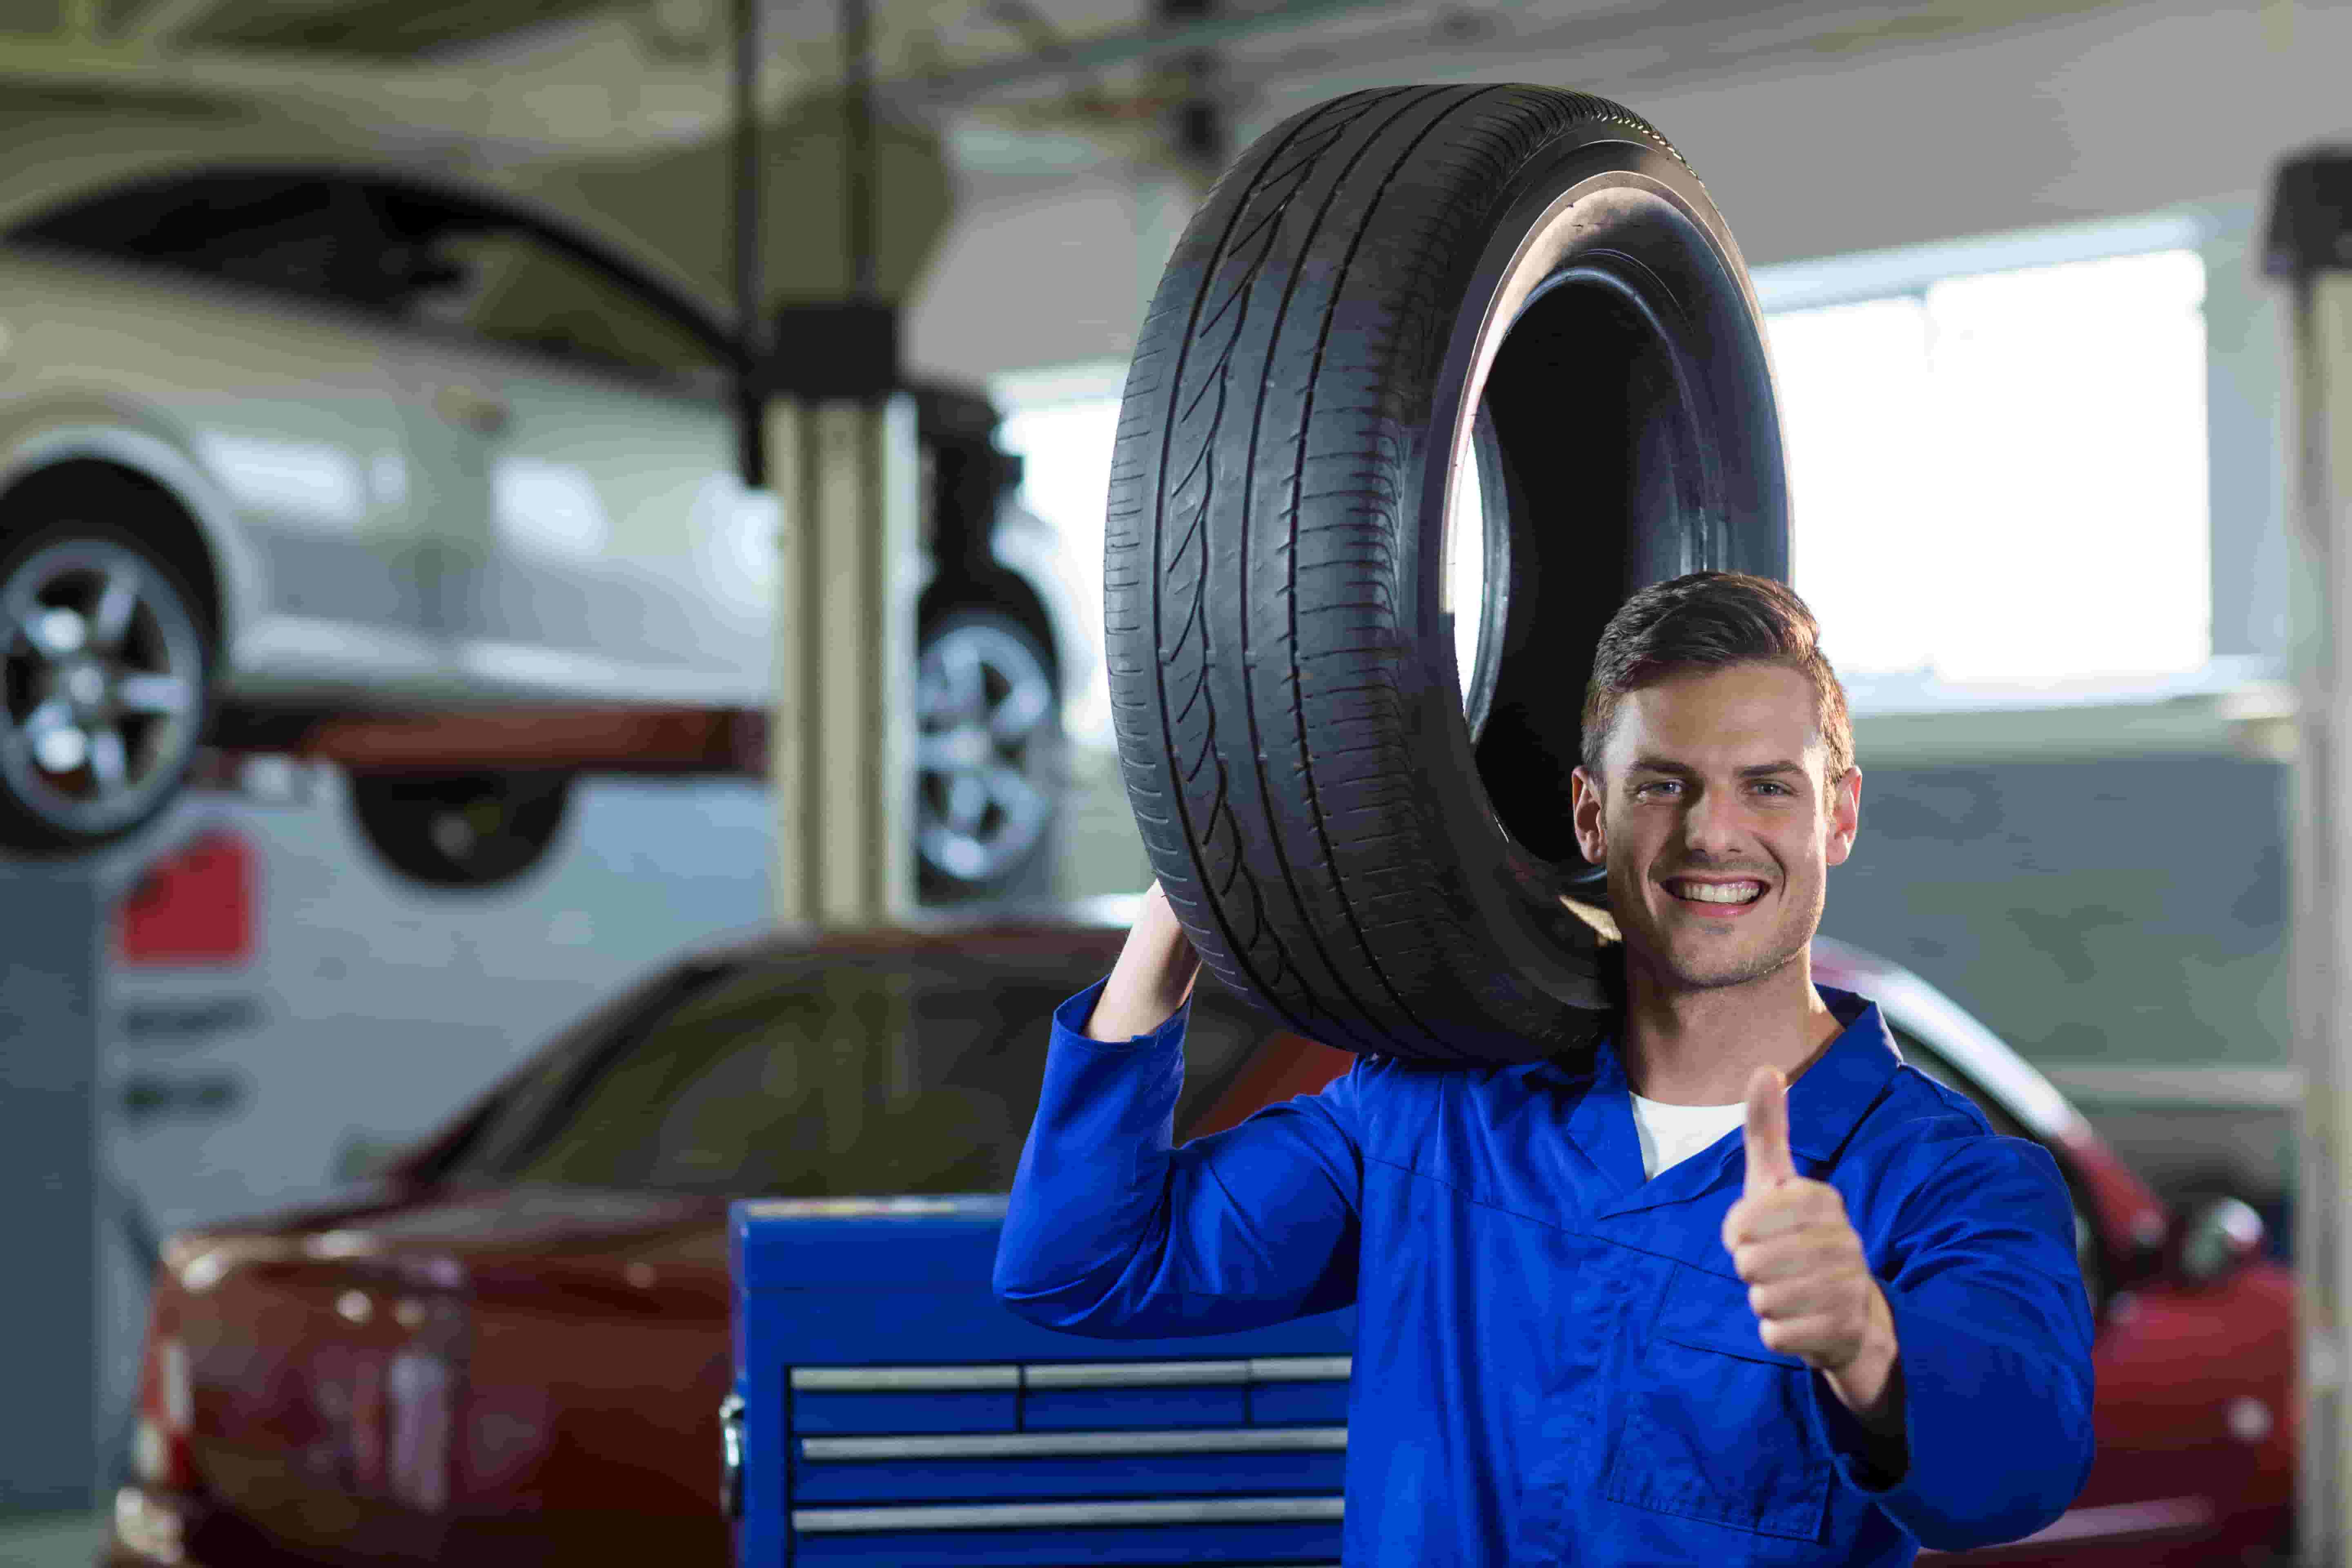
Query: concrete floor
x=51 y=1540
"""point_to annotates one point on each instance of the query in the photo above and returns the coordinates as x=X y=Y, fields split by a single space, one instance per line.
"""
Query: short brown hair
x=1711 y=619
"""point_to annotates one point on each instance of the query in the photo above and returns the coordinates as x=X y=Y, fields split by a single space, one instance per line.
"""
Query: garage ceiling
x=619 y=109
x=518 y=77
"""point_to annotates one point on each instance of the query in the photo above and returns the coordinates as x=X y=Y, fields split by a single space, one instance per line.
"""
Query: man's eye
x=1767 y=784
x=1640 y=790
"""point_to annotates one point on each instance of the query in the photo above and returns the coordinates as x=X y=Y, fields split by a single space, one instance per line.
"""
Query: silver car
x=280 y=443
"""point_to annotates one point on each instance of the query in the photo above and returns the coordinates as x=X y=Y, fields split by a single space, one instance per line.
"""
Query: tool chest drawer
x=858 y=1440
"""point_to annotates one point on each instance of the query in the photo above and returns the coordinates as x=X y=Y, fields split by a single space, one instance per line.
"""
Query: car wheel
x=1435 y=379
x=470 y=830
x=107 y=674
x=988 y=730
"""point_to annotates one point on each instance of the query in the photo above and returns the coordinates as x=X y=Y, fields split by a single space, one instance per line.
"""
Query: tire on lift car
x=460 y=830
x=988 y=752
x=1512 y=309
x=106 y=660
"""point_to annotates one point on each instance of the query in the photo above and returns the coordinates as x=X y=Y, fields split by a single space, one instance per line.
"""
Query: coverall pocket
x=1713 y=1425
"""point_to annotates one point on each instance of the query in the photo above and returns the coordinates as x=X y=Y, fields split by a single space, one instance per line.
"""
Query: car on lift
x=280 y=444
x=512 y=1347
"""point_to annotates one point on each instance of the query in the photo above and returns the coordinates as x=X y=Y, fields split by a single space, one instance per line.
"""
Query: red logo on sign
x=194 y=907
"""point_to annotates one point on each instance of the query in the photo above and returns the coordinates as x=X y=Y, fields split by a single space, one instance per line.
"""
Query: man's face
x=1715 y=791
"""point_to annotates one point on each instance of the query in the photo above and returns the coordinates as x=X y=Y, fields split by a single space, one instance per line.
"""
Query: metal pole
x=750 y=309
x=2311 y=242
x=857 y=183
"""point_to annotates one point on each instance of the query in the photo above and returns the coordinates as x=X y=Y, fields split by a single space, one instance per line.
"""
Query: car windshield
x=801 y=1076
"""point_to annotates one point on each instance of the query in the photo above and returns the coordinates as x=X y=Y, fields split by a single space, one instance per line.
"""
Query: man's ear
x=1584 y=814
x=1845 y=817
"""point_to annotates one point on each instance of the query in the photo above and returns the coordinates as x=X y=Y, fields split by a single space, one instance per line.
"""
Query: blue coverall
x=1554 y=1360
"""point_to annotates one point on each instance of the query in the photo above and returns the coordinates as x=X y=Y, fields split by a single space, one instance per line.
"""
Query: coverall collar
x=1824 y=1104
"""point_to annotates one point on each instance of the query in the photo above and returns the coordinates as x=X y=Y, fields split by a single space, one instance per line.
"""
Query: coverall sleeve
x=1993 y=1330
x=1112 y=1232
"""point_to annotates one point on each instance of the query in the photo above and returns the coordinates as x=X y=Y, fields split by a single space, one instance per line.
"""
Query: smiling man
x=1738 y=1287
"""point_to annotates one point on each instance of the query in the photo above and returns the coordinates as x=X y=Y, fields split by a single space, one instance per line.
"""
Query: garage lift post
x=2310 y=243
x=840 y=454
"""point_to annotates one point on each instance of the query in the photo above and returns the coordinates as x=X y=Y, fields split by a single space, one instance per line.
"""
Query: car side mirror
x=2219 y=1237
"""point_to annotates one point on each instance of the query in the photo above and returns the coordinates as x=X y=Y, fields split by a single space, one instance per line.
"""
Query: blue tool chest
x=886 y=1410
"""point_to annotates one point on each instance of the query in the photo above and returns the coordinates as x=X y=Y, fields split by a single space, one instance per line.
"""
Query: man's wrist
x=1870 y=1387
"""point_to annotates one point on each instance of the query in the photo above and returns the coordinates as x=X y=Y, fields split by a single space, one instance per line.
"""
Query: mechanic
x=1595 y=1325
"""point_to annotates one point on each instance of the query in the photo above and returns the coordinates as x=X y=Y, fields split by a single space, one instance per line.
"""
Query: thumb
x=1769 y=1164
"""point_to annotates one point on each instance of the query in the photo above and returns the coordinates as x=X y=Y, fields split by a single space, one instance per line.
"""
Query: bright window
x=1998 y=478
x=1065 y=480
x=2001 y=479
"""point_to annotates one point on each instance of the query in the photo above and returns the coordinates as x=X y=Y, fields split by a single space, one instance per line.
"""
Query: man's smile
x=1716 y=898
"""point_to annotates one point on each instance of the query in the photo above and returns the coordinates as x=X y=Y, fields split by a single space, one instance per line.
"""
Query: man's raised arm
x=1113 y=1231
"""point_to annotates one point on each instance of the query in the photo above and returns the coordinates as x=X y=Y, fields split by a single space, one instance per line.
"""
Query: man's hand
x=1153 y=976
x=1808 y=1283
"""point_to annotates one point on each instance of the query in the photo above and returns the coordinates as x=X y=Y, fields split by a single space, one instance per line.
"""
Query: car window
x=799 y=1077
x=510 y=287
x=319 y=238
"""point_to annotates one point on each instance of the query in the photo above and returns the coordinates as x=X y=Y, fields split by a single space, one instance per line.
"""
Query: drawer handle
x=1133 y=1373
x=1070 y=1374
x=1031 y=1515
x=902 y=1379
x=1054 y=1444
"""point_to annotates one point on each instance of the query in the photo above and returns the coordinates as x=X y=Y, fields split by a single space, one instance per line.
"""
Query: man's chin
x=1703 y=971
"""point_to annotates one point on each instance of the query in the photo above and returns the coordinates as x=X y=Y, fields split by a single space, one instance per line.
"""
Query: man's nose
x=1711 y=823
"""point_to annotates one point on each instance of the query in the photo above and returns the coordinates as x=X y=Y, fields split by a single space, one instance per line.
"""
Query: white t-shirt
x=1673 y=1134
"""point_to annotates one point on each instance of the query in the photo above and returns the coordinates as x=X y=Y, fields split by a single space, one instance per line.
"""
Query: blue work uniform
x=1554 y=1360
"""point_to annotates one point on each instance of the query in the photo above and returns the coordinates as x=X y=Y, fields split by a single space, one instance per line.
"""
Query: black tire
x=1370 y=847
x=107 y=662
x=990 y=730
x=460 y=830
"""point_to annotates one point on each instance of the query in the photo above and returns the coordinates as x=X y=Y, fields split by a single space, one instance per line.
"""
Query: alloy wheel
x=984 y=707
x=102 y=674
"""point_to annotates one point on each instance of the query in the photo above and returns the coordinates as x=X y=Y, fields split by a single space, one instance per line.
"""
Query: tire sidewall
x=1507 y=886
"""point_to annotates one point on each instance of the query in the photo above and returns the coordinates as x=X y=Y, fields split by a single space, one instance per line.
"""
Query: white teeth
x=1720 y=892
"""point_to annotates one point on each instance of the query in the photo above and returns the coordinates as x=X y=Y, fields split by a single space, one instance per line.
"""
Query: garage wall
x=1036 y=270
x=2097 y=916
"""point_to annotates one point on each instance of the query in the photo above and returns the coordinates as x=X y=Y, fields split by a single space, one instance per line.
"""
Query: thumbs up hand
x=1808 y=1283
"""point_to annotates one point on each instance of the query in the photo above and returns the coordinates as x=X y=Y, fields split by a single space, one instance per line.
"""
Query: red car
x=513 y=1348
